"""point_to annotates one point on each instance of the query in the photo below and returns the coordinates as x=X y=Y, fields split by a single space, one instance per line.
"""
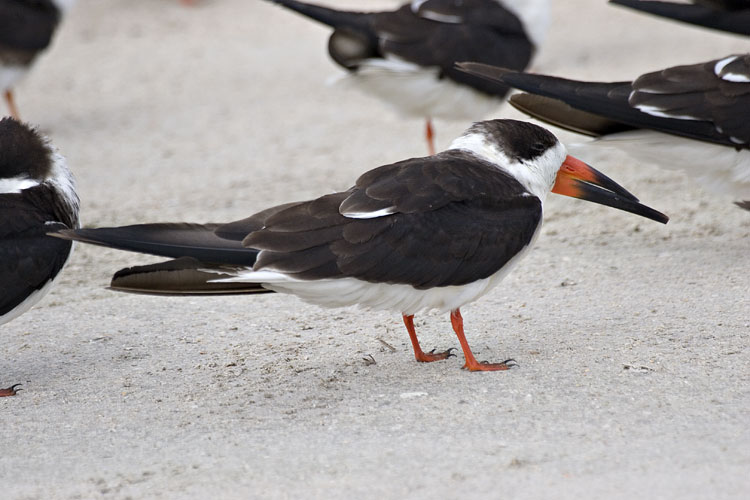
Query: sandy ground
x=631 y=336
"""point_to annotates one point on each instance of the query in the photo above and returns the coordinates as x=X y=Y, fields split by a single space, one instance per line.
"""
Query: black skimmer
x=37 y=195
x=406 y=56
x=693 y=118
x=26 y=29
x=732 y=16
x=426 y=233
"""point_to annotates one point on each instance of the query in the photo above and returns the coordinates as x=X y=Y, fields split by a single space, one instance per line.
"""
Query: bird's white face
x=540 y=162
x=62 y=180
x=536 y=175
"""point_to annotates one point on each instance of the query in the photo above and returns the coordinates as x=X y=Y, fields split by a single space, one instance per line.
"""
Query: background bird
x=37 y=195
x=406 y=57
x=26 y=29
x=732 y=16
x=692 y=117
x=425 y=233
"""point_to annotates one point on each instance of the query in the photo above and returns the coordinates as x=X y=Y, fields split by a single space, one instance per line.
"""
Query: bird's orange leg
x=471 y=363
x=421 y=356
x=10 y=391
x=430 y=136
x=12 y=105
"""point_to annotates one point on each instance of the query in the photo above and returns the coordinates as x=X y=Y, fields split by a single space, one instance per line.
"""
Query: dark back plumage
x=692 y=101
x=26 y=27
x=429 y=239
x=732 y=16
x=437 y=34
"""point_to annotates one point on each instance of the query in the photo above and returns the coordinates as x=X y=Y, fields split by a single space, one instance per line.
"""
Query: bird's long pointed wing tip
x=484 y=70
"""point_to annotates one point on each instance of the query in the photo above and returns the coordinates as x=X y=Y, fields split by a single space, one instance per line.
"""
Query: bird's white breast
x=417 y=91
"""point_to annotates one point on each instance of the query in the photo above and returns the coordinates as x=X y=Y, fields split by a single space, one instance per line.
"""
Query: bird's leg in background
x=471 y=363
x=418 y=353
x=10 y=391
x=430 y=136
x=12 y=105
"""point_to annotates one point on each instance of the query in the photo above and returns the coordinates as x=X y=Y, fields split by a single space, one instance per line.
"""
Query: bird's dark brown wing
x=732 y=16
x=28 y=257
x=453 y=219
x=698 y=92
x=180 y=277
x=175 y=240
x=438 y=34
x=443 y=32
x=612 y=101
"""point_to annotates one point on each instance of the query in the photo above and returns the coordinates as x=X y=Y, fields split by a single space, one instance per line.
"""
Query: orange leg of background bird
x=12 y=105
x=430 y=135
x=421 y=356
x=471 y=363
x=10 y=391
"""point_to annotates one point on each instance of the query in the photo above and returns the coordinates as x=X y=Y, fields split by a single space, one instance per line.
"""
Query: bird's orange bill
x=579 y=180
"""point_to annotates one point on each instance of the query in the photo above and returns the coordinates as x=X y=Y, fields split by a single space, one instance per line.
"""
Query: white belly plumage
x=10 y=75
x=417 y=91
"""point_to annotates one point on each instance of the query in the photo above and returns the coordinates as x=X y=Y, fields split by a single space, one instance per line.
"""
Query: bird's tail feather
x=331 y=17
x=184 y=276
x=175 y=240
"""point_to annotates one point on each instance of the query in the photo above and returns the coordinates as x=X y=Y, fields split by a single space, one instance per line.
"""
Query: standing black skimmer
x=693 y=118
x=426 y=233
x=26 y=29
x=732 y=16
x=37 y=195
x=406 y=57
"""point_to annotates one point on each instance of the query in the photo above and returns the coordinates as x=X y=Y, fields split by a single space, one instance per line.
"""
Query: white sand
x=631 y=336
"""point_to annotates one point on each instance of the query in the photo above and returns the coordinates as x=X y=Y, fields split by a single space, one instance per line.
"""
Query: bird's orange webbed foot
x=10 y=391
x=484 y=366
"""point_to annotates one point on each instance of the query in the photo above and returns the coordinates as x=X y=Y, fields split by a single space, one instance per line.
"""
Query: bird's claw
x=428 y=357
x=487 y=366
x=447 y=353
x=10 y=391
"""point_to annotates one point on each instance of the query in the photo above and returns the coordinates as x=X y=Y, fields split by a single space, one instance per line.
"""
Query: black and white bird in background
x=732 y=16
x=37 y=195
x=426 y=233
x=407 y=56
x=692 y=118
x=26 y=29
